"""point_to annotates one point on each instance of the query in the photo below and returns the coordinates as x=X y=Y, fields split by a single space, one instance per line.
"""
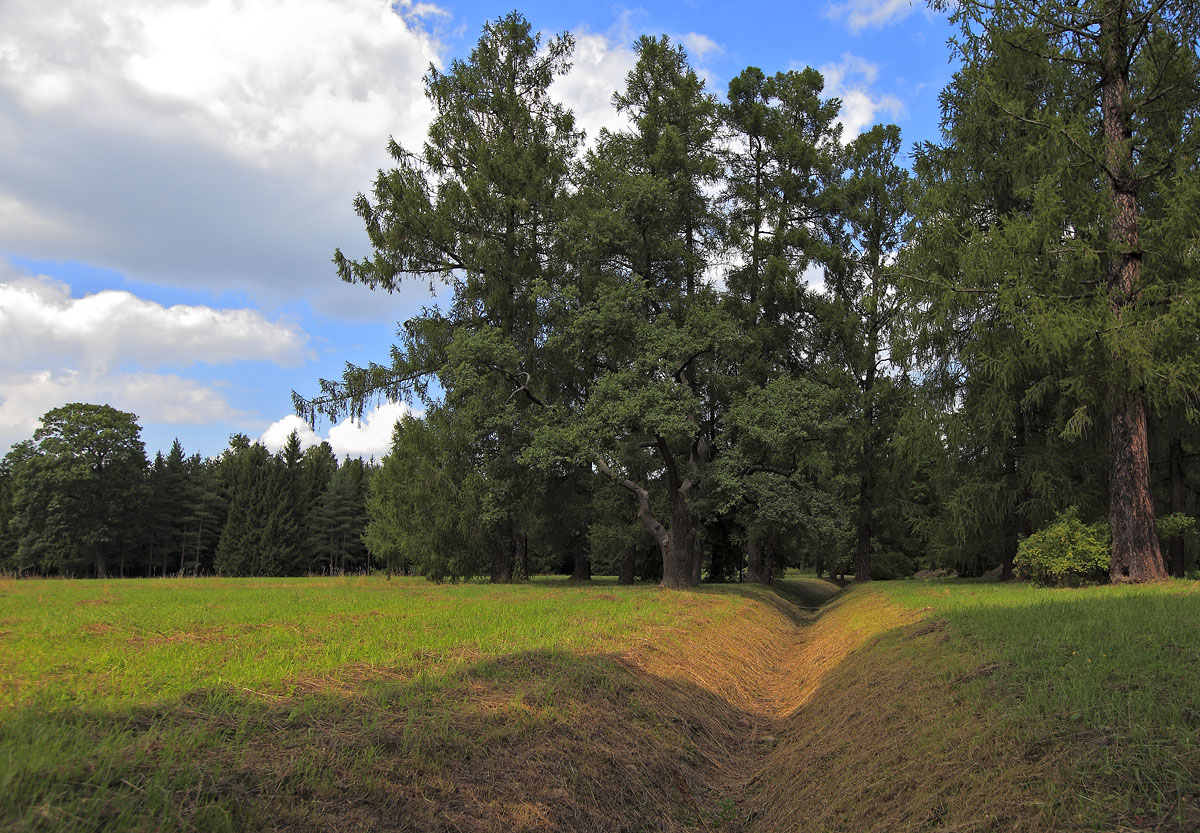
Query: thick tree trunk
x=1135 y=553
x=756 y=572
x=679 y=560
x=502 y=563
x=1176 y=557
x=101 y=572
x=678 y=544
x=1135 y=550
x=583 y=568
x=522 y=557
x=862 y=569
x=628 y=564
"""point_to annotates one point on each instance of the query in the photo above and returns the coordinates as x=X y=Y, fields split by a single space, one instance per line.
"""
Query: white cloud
x=598 y=69
x=56 y=349
x=850 y=79
x=210 y=140
x=863 y=14
x=154 y=397
x=370 y=437
x=700 y=46
x=41 y=325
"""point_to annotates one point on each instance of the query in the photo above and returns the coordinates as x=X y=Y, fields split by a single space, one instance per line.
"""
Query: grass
x=367 y=704
x=362 y=703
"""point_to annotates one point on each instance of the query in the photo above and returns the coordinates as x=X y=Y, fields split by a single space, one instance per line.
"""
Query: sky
x=176 y=174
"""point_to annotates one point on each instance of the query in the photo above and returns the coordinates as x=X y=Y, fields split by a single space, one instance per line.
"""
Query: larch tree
x=1090 y=272
x=477 y=209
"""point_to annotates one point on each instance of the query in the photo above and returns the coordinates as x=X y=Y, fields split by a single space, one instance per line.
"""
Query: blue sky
x=175 y=174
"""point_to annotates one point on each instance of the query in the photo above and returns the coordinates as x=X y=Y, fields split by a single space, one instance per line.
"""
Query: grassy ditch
x=366 y=704
x=973 y=706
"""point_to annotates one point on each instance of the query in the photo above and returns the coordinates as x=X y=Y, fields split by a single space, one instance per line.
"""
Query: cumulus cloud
x=850 y=79
x=104 y=347
x=864 y=14
x=154 y=397
x=599 y=67
x=41 y=324
x=370 y=437
x=181 y=139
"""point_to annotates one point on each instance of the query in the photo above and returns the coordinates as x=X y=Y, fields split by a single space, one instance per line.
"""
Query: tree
x=781 y=221
x=477 y=209
x=875 y=204
x=643 y=230
x=1096 y=280
x=74 y=498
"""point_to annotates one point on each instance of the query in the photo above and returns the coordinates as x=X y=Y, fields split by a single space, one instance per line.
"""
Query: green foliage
x=1067 y=553
x=889 y=565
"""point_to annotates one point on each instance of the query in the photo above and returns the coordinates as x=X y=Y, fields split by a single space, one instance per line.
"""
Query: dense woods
x=81 y=499
x=728 y=335
x=725 y=338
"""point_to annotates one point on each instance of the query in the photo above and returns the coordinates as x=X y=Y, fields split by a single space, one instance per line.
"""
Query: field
x=368 y=704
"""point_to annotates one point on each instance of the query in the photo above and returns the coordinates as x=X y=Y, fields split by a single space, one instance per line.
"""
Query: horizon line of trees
x=80 y=498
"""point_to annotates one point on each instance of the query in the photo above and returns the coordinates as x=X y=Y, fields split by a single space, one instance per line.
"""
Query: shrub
x=891 y=565
x=1067 y=553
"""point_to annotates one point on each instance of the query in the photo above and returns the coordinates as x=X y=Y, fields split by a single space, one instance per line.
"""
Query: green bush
x=1067 y=553
x=891 y=565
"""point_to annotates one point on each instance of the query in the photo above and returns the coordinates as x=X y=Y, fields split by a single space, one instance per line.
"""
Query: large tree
x=1092 y=279
x=75 y=497
x=477 y=208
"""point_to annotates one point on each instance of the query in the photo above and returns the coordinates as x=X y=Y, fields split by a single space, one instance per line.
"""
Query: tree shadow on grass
x=531 y=741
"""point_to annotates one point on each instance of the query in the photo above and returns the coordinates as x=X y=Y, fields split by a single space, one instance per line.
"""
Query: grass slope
x=973 y=706
x=364 y=704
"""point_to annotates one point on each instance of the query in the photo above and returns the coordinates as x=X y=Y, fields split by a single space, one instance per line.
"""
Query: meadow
x=375 y=704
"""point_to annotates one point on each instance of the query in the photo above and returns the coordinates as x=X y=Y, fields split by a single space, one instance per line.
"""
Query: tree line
x=80 y=498
x=722 y=340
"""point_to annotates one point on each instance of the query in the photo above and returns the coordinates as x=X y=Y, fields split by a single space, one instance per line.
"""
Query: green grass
x=1113 y=672
x=222 y=704
x=362 y=703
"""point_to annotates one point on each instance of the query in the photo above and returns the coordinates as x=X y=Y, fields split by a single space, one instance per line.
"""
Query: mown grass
x=356 y=703
x=1113 y=673
x=367 y=704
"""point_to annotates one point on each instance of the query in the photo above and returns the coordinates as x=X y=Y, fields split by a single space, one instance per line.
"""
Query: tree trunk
x=756 y=572
x=1176 y=556
x=522 y=542
x=101 y=572
x=502 y=563
x=679 y=558
x=760 y=561
x=1135 y=550
x=628 y=564
x=862 y=569
x=583 y=568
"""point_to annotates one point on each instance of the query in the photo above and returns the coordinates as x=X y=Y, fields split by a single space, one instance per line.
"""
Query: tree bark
x=502 y=563
x=101 y=572
x=628 y=564
x=1135 y=550
x=522 y=543
x=756 y=572
x=582 y=570
x=862 y=569
x=679 y=561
